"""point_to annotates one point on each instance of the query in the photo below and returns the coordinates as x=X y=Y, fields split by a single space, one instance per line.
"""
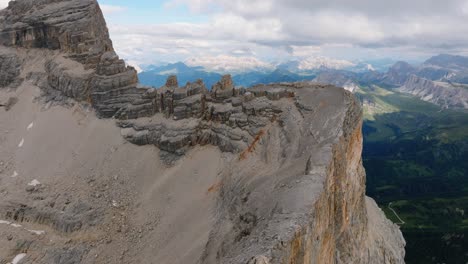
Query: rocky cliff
x=269 y=174
x=444 y=94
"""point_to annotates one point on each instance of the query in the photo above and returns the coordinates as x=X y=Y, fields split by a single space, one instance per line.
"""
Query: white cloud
x=465 y=8
x=312 y=63
x=112 y=9
x=336 y=27
x=224 y=63
x=4 y=3
x=237 y=27
x=304 y=51
x=271 y=30
x=196 y=6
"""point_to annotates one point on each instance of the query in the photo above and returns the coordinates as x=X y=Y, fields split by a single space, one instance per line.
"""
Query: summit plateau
x=96 y=168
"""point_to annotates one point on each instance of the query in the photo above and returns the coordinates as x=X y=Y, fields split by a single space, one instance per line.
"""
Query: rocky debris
x=65 y=255
x=9 y=103
x=10 y=68
x=62 y=215
x=223 y=89
x=259 y=260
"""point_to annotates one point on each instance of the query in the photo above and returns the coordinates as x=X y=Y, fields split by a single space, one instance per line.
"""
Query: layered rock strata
x=89 y=69
x=9 y=69
x=446 y=95
x=291 y=188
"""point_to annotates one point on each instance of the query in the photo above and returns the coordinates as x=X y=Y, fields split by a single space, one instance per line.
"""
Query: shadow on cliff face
x=417 y=162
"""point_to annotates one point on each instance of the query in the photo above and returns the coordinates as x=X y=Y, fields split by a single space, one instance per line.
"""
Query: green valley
x=416 y=159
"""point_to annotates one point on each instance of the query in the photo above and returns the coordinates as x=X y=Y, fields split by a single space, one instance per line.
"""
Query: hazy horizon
x=258 y=33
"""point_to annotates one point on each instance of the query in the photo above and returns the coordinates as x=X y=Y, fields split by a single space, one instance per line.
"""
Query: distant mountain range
x=442 y=79
x=156 y=75
x=251 y=73
x=414 y=153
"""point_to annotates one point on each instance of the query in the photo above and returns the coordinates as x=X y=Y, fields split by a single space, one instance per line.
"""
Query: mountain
x=453 y=62
x=414 y=155
x=320 y=62
x=280 y=75
x=415 y=145
x=447 y=68
x=290 y=71
x=291 y=66
x=398 y=74
x=97 y=168
x=156 y=76
x=439 y=80
x=417 y=80
x=446 y=95
x=343 y=79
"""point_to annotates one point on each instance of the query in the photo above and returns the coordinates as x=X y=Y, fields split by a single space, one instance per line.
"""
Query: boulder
x=172 y=82
x=223 y=89
x=10 y=67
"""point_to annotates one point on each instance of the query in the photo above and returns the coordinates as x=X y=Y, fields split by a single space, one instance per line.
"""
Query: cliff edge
x=95 y=168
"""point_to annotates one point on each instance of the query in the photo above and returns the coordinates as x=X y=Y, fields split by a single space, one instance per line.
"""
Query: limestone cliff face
x=291 y=188
x=75 y=27
x=78 y=31
x=9 y=69
x=445 y=95
x=300 y=197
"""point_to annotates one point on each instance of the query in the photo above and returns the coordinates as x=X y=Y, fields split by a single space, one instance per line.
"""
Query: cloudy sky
x=256 y=32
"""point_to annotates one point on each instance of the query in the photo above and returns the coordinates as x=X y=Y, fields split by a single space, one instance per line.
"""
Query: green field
x=416 y=157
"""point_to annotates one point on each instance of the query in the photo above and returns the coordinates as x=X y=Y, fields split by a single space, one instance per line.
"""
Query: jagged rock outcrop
x=115 y=91
x=312 y=150
x=172 y=82
x=338 y=78
x=74 y=27
x=445 y=67
x=445 y=95
x=9 y=69
x=223 y=89
x=201 y=118
x=89 y=70
x=285 y=183
x=398 y=74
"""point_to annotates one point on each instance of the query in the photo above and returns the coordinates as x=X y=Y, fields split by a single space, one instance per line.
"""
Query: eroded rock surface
x=446 y=95
x=269 y=174
x=9 y=70
x=89 y=69
x=75 y=27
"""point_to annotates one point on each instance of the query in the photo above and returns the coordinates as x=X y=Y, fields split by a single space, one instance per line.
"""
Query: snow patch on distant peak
x=370 y=67
x=169 y=72
x=319 y=62
x=225 y=63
